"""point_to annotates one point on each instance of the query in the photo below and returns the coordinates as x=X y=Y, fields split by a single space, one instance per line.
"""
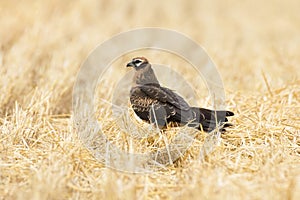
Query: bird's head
x=144 y=74
x=138 y=63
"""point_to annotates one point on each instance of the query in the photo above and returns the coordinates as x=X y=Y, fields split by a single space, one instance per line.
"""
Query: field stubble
x=255 y=48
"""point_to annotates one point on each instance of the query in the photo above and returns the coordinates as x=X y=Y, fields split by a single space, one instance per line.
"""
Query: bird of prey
x=159 y=105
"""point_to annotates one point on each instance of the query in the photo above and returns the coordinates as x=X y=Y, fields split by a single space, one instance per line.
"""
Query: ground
x=255 y=46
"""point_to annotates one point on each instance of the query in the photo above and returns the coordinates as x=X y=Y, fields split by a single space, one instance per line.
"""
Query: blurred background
x=43 y=44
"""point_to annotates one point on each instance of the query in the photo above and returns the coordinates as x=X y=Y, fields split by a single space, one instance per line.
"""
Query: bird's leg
x=158 y=116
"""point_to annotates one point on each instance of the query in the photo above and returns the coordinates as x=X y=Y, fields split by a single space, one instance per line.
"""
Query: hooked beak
x=130 y=64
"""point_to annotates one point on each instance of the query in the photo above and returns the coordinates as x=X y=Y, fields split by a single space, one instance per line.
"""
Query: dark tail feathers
x=210 y=119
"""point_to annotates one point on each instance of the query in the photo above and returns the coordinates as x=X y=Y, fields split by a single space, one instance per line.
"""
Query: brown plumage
x=159 y=105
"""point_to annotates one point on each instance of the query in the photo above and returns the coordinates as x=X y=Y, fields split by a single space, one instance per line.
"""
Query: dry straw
x=256 y=48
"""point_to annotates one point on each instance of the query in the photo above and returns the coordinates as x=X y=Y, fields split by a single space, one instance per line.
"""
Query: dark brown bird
x=159 y=105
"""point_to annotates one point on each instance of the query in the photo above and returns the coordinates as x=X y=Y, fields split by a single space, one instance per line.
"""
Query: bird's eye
x=137 y=61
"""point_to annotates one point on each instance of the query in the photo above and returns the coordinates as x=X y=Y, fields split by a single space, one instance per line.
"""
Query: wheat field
x=255 y=46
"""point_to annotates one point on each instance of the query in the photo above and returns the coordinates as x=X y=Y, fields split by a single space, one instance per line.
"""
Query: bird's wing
x=165 y=95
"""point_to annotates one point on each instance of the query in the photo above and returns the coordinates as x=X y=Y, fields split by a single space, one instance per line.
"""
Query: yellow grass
x=255 y=45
